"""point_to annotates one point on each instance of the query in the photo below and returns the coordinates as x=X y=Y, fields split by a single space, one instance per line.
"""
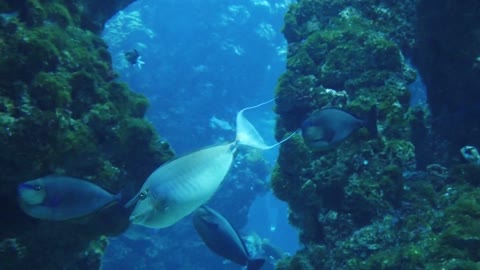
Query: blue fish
x=62 y=198
x=220 y=237
x=330 y=126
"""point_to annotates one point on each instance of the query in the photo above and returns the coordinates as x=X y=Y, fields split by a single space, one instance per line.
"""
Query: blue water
x=204 y=61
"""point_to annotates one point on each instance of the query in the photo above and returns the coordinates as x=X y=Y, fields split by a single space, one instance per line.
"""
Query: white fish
x=177 y=188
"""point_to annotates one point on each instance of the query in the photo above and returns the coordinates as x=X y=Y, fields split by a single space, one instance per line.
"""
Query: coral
x=285 y=181
x=470 y=154
x=62 y=113
x=11 y=250
x=460 y=237
x=50 y=91
x=58 y=13
x=409 y=257
x=306 y=259
x=371 y=203
x=92 y=256
x=466 y=173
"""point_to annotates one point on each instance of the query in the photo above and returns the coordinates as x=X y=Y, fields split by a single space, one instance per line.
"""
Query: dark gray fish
x=330 y=126
x=62 y=198
x=219 y=235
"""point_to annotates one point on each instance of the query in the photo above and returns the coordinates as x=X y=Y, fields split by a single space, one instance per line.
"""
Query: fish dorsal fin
x=248 y=135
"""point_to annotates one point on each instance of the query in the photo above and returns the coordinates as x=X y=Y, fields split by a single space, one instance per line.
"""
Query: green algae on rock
x=62 y=113
x=367 y=204
x=332 y=48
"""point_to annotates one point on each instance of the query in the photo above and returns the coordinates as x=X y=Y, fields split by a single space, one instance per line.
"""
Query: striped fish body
x=179 y=187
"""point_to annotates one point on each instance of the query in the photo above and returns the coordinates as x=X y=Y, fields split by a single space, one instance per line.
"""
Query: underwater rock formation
x=447 y=55
x=365 y=204
x=62 y=113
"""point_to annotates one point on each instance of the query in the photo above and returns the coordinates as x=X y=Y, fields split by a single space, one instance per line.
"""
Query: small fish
x=330 y=126
x=177 y=188
x=220 y=237
x=62 y=198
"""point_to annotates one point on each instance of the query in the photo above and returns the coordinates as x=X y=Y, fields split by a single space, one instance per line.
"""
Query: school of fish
x=185 y=184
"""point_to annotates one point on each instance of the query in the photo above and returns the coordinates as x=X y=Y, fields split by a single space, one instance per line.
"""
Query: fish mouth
x=135 y=219
x=139 y=218
x=142 y=220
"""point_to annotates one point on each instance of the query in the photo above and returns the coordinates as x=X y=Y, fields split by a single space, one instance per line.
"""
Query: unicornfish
x=222 y=238
x=180 y=186
x=61 y=198
x=330 y=126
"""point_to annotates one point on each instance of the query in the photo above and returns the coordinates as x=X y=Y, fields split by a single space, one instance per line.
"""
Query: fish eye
x=37 y=187
x=142 y=195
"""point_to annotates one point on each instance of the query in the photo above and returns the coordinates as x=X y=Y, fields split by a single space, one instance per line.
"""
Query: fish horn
x=132 y=201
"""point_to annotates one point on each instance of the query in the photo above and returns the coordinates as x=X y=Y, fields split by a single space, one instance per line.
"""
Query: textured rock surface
x=62 y=113
x=366 y=204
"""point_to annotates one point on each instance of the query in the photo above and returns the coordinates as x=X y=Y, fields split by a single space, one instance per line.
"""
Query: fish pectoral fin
x=210 y=221
x=328 y=136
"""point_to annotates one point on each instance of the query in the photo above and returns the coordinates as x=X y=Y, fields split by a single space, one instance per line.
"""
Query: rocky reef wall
x=447 y=54
x=62 y=112
x=373 y=203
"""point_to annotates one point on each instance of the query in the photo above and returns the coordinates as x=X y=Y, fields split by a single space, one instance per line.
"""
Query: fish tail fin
x=118 y=197
x=127 y=193
x=115 y=199
x=371 y=123
x=248 y=135
x=255 y=264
